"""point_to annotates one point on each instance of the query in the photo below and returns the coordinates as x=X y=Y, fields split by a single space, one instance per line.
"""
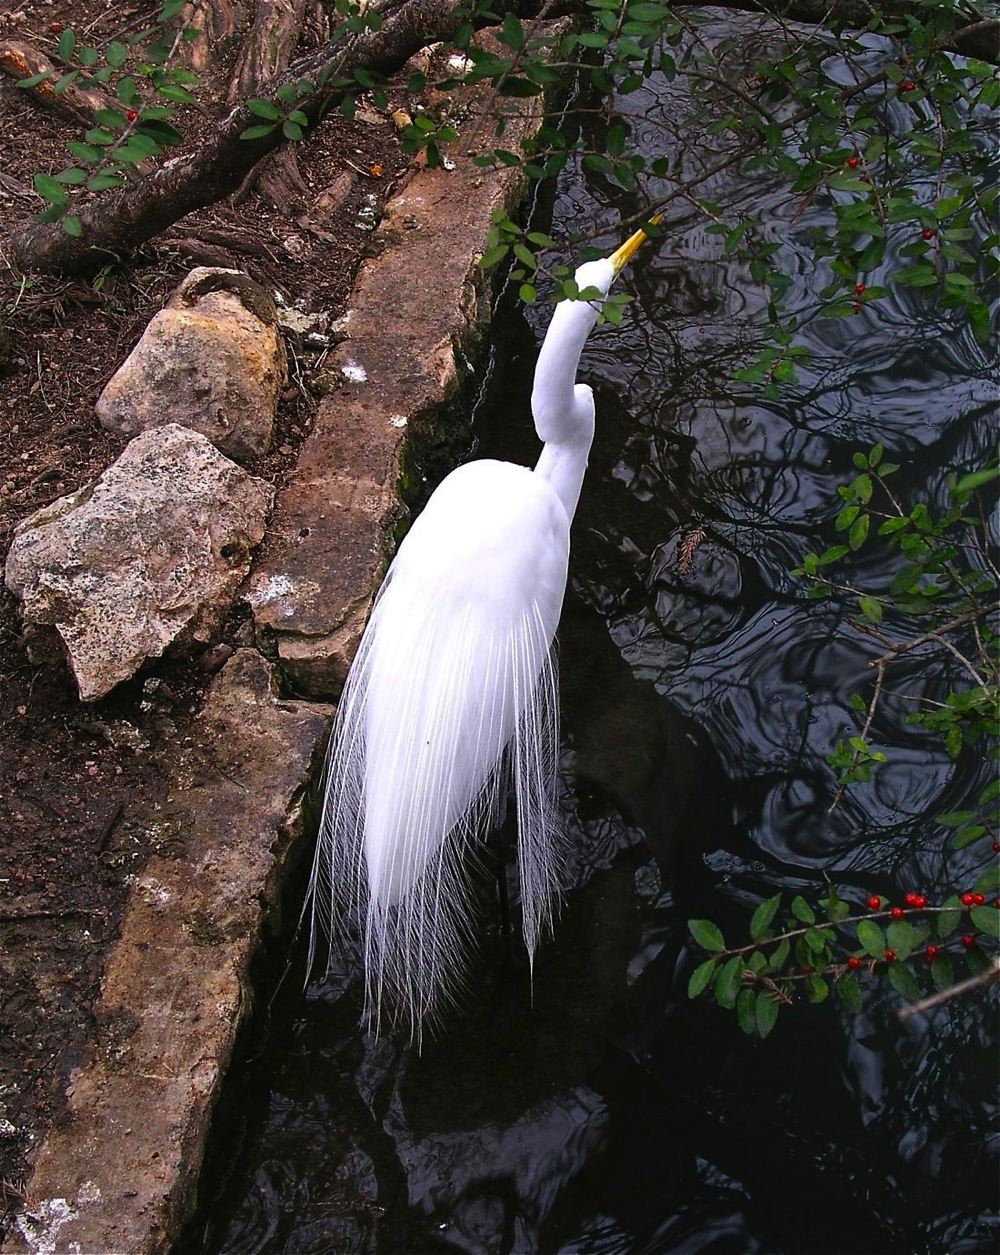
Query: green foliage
x=943 y=594
x=825 y=947
x=945 y=581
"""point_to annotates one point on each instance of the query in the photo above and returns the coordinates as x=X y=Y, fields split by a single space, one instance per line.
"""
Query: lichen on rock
x=150 y=554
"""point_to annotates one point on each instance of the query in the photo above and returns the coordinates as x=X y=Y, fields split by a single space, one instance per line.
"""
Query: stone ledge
x=116 y=1174
x=416 y=309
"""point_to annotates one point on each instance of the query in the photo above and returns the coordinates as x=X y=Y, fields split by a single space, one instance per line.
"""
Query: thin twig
x=955 y=991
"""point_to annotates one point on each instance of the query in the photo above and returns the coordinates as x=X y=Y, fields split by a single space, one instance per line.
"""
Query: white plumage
x=452 y=703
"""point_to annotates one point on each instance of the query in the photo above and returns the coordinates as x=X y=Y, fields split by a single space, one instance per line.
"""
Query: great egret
x=452 y=698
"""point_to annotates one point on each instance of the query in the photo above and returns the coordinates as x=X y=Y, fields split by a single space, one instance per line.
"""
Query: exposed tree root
x=79 y=102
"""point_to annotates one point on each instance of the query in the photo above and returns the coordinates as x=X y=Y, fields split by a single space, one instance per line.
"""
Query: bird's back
x=453 y=667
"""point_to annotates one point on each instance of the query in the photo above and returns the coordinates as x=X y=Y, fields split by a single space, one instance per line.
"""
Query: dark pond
x=614 y=1115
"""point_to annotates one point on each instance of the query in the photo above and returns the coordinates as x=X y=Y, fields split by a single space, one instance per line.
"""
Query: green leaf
x=73 y=176
x=766 y=1012
x=492 y=256
x=988 y=880
x=264 y=109
x=871 y=608
x=111 y=118
x=291 y=130
x=976 y=961
x=72 y=226
x=901 y=979
x=780 y=955
x=170 y=91
x=511 y=33
x=871 y=938
x=745 y=1010
x=519 y=87
x=67 y=44
x=706 y=934
x=955 y=819
x=949 y=919
x=84 y=152
x=817 y=989
x=727 y=983
x=763 y=915
x=101 y=182
x=902 y=938
x=964 y=836
x=258 y=131
x=859 y=531
x=801 y=909
x=701 y=976
x=849 y=993
x=942 y=972
x=976 y=479
x=50 y=190
x=527 y=293
x=986 y=919
x=116 y=54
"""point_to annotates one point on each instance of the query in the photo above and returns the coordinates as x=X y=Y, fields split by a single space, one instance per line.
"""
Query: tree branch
x=120 y=221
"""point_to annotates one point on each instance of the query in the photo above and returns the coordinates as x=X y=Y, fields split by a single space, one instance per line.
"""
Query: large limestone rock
x=152 y=552
x=211 y=360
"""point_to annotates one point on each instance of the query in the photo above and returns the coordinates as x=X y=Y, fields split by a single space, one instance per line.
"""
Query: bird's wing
x=453 y=667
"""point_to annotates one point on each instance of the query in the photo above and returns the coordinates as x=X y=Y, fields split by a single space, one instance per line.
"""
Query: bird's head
x=598 y=274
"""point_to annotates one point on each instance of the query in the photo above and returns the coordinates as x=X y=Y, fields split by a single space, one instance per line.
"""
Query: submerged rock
x=150 y=554
x=211 y=360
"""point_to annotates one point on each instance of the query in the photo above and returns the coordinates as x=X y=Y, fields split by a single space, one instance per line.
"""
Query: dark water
x=613 y=1115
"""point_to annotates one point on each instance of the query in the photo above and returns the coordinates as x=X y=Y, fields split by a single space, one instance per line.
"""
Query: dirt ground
x=76 y=780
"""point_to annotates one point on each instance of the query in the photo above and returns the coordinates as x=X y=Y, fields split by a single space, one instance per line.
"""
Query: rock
x=150 y=554
x=211 y=360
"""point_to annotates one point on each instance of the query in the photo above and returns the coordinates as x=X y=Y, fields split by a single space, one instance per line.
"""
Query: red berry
x=968 y=941
x=890 y=956
x=854 y=962
x=897 y=912
x=130 y=115
x=978 y=899
x=859 y=288
x=874 y=902
x=927 y=234
x=995 y=847
x=56 y=28
x=931 y=953
x=968 y=899
x=907 y=85
x=911 y=898
x=852 y=163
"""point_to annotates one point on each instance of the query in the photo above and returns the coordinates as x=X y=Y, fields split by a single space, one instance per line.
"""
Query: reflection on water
x=701 y=692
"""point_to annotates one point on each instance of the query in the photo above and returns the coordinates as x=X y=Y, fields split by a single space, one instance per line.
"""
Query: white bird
x=452 y=699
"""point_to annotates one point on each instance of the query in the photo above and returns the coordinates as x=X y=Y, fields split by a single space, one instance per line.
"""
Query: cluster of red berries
x=972 y=899
x=916 y=900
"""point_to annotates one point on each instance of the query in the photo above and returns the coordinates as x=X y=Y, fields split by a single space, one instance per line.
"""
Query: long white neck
x=562 y=409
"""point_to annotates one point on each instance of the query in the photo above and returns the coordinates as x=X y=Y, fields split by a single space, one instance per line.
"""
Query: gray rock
x=211 y=360
x=150 y=554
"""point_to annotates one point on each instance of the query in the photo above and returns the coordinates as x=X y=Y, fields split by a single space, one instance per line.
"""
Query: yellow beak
x=621 y=256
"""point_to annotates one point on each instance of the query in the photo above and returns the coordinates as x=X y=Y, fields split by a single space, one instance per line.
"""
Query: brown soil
x=76 y=780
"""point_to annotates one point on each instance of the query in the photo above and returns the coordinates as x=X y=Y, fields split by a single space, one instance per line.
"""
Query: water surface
x=700 y=696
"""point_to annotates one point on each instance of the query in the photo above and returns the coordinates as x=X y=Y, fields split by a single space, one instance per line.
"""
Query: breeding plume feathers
x=450 y=706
